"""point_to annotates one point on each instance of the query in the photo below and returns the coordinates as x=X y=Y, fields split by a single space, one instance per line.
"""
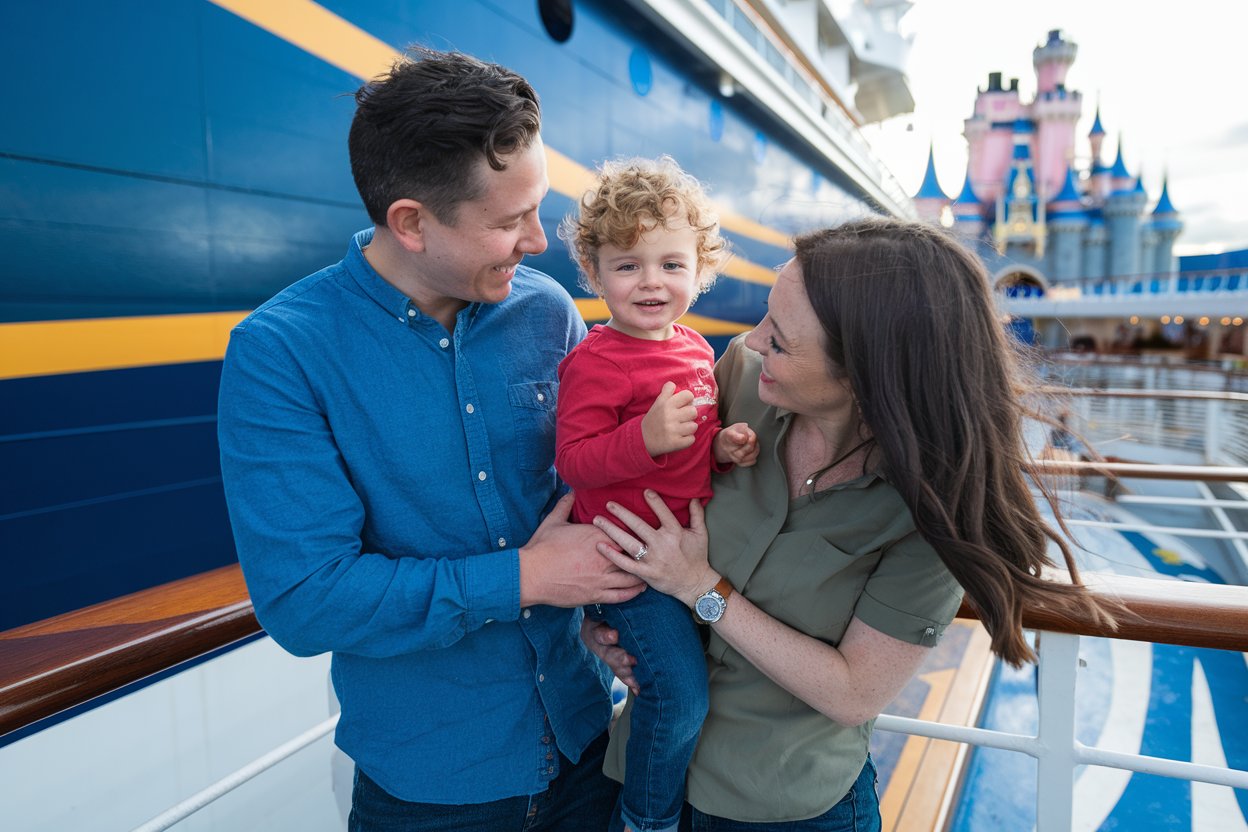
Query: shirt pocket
x=533 y=416
x=822 y=588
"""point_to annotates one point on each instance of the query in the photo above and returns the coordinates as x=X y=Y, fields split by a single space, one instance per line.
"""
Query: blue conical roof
x=1139 y=185
x=1097 y=129
x=1163 y=204
x=930 y=189
x=967 y=195
x=1070 y=191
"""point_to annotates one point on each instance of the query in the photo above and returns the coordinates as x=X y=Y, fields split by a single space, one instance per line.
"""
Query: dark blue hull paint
x=164 y=158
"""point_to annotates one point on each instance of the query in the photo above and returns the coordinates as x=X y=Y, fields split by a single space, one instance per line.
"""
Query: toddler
x=638 y=409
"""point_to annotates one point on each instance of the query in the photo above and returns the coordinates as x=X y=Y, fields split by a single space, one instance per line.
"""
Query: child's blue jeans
x=659 y=632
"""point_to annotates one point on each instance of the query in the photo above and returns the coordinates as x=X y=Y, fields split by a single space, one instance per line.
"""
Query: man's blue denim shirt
x=380 y=474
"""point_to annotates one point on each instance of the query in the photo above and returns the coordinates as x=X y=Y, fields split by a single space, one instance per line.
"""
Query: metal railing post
x=1059 y=659
x=1213 y=444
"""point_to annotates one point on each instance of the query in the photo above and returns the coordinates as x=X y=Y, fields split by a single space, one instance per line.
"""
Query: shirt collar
x=395 y=303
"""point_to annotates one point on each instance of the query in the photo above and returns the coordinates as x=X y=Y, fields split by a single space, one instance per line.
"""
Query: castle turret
x=968 y=211
x=990 y=133
x=930 y=201
x=1096 y=136
x=1120 y=178
x=1148 y=234
x=1067 y=220
x=1055 y=112
x=1095 y=242
x=1166 y=225
x=1123 y=210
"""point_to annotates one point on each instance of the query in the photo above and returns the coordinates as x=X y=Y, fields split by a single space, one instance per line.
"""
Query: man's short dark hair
x=419 y=130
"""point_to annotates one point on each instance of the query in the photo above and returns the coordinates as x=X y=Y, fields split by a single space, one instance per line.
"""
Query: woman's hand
x=675 y=558
x=603 y=642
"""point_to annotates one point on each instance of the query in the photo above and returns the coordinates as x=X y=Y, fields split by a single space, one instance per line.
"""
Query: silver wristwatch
x=711 y=604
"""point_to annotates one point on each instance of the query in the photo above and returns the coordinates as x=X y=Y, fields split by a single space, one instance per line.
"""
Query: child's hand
x=671 y=422
x=737 y=444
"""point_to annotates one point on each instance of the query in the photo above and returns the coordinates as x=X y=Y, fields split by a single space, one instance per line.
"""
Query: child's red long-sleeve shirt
x=606 y=385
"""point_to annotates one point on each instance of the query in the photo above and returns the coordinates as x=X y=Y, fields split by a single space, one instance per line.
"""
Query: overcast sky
x=1170 y=78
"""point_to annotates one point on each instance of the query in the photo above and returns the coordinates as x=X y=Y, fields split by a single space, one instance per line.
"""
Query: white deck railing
x=1058 y=753
x=1211 y=425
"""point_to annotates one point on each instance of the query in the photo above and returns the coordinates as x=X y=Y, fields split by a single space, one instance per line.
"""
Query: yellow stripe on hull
x=47 y=348
x=44 y=348
x=321 y=33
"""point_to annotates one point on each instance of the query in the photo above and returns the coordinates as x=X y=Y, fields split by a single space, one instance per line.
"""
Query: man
x=387 y=435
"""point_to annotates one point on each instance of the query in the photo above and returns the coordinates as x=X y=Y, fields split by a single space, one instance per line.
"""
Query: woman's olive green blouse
x=813 y=563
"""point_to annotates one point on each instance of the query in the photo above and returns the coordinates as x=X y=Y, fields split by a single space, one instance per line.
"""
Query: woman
x=889 y=480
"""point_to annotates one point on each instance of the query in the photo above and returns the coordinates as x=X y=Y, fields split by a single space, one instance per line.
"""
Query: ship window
x=557 y=18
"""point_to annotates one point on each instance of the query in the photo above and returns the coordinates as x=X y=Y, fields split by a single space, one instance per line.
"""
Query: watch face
x=709 y=607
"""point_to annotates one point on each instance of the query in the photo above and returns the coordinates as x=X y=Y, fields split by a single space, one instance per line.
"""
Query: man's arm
x=297 y=523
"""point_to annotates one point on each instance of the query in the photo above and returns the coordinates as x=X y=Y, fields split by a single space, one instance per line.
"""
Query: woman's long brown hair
x=908 y=314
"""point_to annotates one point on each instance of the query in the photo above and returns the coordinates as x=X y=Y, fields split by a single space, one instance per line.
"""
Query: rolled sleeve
x=910 y=596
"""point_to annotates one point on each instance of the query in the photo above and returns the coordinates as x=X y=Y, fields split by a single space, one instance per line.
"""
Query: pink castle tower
x=1051 y=118
x=1055 y=112
x=990 y=135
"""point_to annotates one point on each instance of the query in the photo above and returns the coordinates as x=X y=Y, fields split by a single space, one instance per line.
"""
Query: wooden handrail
x=55 y=664
x=1167 y=612
x=1138 y=470
x=62 y=662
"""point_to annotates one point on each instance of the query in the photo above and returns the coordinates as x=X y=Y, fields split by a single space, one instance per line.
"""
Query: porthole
x=640 y=73
x=557 y=18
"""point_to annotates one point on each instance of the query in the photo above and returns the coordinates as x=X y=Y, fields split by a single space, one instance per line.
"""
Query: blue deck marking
x=999 y=789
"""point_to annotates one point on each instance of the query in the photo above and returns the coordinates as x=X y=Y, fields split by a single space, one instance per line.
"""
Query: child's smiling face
x=649 y=285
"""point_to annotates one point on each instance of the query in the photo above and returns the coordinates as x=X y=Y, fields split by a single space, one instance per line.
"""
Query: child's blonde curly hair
x=632 y=197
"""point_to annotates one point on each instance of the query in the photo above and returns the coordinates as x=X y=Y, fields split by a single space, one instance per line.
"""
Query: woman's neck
x=823 y=452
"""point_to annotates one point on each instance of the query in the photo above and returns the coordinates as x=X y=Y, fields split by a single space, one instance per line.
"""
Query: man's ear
x=406 y=220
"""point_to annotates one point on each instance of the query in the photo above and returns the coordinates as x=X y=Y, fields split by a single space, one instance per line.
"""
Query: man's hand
x=671 y=422
x=737 y=444
x=604 y=642
x=560 y=565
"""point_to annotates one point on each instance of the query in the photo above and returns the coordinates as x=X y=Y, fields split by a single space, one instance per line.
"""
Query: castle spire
x=1163 y=203
x=930 y=201
x=1070 y=190
x=1097 y=129
x=1120 y=179
x=930 y=189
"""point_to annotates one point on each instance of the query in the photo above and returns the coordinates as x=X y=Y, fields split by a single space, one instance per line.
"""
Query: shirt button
x=411 y=313
x=481 y=476
x=541 y=677
x=549 y=756
x=444 y=343
x=541 y=397
x=469 y=408
x=527 y=613
x=502 y=543
x=550 y=770
x=546 y=740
